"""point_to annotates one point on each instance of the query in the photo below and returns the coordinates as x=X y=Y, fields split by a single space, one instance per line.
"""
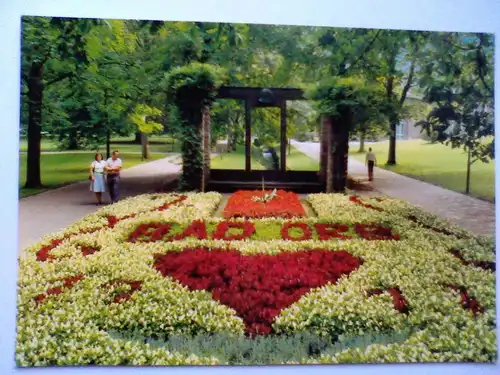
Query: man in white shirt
x=371 y=161
x=113 y=167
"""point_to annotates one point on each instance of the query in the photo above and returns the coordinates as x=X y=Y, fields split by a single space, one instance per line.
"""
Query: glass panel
x=266 y=139
x=227 y=120
x=303 y=132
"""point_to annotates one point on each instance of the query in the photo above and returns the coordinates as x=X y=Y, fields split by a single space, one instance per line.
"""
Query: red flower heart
x=257 y=287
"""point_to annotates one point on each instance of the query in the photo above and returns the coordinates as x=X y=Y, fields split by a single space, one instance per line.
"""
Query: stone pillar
x=206 y=146
x=326 y=153
x=340 y=151
x=323 y=151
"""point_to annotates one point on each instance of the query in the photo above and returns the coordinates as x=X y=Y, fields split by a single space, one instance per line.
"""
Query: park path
x=469 y=213
x=54 y=210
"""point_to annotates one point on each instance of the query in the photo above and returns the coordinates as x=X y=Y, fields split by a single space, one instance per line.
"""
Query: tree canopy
x=86 y=80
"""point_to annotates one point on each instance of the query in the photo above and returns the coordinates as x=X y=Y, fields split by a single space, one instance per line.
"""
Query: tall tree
x=399 y=53
x=458 y=83
x=46 y=40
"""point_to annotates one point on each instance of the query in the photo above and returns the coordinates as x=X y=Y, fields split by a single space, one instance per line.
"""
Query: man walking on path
x=371 y=161
x=113 y=167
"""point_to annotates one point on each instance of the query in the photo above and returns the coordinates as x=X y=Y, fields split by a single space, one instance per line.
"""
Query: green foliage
x=231 y=350
x=438 y=165
x=337 y=95
x=458 y=83
x=143 y=116
x=97 y=73
x=227 y=121
x=192 y=88
x=194 y=85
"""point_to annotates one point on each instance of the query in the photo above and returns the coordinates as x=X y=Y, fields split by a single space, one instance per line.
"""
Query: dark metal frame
x=252 y=96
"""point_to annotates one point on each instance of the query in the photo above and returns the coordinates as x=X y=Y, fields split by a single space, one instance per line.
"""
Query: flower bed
x=258 y=230
x=107 y=291
x=242 y=204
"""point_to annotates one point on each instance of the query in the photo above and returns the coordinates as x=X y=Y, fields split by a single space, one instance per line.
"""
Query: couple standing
x=111 y=168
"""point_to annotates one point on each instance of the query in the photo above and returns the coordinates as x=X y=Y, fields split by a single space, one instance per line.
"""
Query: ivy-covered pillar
x=207 y=149
x=342 y=101
x=192 y=89
x=340 y=151
x=325 y=175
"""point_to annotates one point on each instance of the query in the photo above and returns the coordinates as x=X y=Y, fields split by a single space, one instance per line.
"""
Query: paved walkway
x=56 y=209
x=470 y=213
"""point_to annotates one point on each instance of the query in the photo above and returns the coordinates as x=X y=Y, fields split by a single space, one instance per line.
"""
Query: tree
x=143 y=117
x=458 y=83
x=399 y=53
x=45 y=41
x=192 y=89
x=345 y=101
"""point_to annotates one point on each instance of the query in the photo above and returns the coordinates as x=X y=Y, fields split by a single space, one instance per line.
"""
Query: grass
x=437 y=164
x=157 y=144
x=61 y=169
x=234 y=160
x=296 y=160
x=273 y=349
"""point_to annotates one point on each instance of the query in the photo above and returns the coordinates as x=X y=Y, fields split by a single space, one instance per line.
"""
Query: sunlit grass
x=437 y=164
x=62 y=169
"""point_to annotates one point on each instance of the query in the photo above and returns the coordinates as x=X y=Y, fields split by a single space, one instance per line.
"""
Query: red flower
x=144 y=232
x=489 y=266
x=247 y=230
x=241 y=204
x=87 y=250
x=468 y=302
x=112 y=221
x=257 y=287
x=167 y=205
x=306 y=232
x=399 y=301
x=43 y=254
x=196 y=229
x=357 y=200
x=68 y=283
x=134 y=285
x=374 y=232
x=329 y=231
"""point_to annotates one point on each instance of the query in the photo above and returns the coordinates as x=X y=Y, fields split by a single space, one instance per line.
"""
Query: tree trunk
x=328 y=149
x=108 y=145
x=230 y=139
x=391 y=159
x=35 y=98
x=467 y=182
x=324 y=154
x=362 y=135
x=145 y=146
x=289 y=146
x=72 y=139
x=137 y=139
x=340 y=142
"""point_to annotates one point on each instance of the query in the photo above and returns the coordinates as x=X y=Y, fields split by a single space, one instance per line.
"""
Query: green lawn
x=234 y=160
x=160 y=144
x=437 y=164
x=62 y=169
x=296 y=160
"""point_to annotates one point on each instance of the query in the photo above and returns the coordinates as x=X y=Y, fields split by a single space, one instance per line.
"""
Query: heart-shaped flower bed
x=257 y=287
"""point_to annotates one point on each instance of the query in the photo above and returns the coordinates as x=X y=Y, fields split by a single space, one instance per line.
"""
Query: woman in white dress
x=97 y=183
